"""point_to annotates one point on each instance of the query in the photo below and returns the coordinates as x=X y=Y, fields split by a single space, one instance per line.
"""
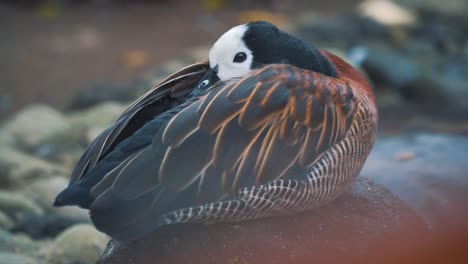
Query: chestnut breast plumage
x=278 y=140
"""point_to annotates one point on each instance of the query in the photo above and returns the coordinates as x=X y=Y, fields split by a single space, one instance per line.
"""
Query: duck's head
x=256 y=44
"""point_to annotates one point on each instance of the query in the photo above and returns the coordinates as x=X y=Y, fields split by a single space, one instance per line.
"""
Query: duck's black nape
x=270 y=45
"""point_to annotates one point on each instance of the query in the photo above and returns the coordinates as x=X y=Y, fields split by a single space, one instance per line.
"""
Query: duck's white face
x=229 y=56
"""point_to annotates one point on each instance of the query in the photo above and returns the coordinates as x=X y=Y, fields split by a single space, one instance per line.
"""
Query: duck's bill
x=208 y=80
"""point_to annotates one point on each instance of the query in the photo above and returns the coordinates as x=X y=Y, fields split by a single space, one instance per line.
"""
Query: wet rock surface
x=428 y=171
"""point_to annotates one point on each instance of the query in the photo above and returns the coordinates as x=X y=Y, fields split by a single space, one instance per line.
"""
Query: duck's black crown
x=270 y=45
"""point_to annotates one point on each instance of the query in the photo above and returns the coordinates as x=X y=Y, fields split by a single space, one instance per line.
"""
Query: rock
x=356 y=226
x=17 y=243
x=445 y=87
x=18 y=206
x=63 y=149
x=401 y=46
x=387 y=12
x=18 y=168
x=465 y=51
x=78 y=244
x=100 y=92
x=32 y=125
x=55 y=220
x=86 y=123
x=12 y=258
x=100 y=115
x=433 y=181
x=453 y=8
x=44 y=191
x=29 y=218
x=389 y=67
x=43 y=226
x=93 y=132
x=342 y=31
x=5 y=221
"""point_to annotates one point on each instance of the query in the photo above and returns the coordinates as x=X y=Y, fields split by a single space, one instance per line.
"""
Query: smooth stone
x=32 y=125
x=389 y=67
x=13 y=258
x=55 y=220
x=453 y=8
x=449 y=90
x=465 y=51
x=387 y=12
x=5 y=221
x=85 y=123
x=44 y=191
x=99 y=92
x=63 y=150
x=342 y=31
x=19 y=168
x=99 y=115
x=18 y=205
x=17 y=243
x=429 y=172
x=355 y=227
x=93 y=132
x=81 y=243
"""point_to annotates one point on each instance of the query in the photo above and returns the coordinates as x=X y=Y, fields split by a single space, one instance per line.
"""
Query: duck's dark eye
x=240 y=57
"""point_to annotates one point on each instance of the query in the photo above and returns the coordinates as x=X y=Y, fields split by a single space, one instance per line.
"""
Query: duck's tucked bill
x=268 y=126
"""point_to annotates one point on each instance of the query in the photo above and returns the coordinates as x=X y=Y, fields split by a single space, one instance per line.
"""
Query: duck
x=268 y=125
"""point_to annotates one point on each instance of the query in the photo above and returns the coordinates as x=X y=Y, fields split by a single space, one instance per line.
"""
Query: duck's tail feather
x=74 y=195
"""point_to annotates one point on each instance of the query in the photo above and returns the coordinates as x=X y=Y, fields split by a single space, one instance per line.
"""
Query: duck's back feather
x=272 y=124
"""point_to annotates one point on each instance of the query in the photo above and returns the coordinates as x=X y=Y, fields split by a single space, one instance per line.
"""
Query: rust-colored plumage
x=280 y=140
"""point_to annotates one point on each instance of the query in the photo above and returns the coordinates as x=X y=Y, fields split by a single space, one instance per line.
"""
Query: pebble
x=13 y=258
x=32 y=125
x=100 y=115
x=5 y=221
x=18 y=168
x=81 y=243
x=17 y=205
x=387 y=12
x=43 y=192
x=405 y=155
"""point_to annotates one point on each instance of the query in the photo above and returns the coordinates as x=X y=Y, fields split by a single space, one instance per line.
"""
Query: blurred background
x=70 y=67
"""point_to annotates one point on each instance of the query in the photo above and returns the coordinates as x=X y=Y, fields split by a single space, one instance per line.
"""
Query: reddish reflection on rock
x=367 y=222
x=434 y=182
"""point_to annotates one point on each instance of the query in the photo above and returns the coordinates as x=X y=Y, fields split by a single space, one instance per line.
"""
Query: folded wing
x=158 y=99
x=268 y=125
